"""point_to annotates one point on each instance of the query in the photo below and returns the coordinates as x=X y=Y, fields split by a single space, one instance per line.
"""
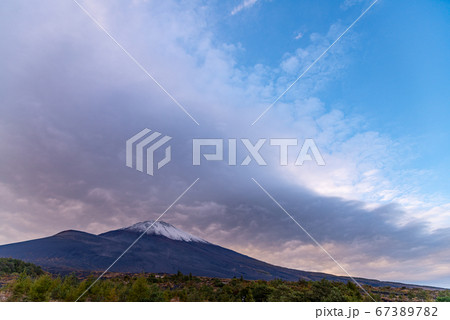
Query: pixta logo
x=141 y=148
x=143 y=145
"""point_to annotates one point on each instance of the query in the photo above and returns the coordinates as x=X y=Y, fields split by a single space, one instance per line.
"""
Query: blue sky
x=376 y=105
x=397 y=77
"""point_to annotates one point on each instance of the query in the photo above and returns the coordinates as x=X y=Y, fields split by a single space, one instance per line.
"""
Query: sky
x=376 y=105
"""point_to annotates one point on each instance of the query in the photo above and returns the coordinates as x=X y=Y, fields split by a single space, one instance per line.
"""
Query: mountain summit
x=161 y=228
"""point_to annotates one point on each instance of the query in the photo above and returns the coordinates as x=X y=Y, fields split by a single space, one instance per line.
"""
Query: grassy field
x=20 y=281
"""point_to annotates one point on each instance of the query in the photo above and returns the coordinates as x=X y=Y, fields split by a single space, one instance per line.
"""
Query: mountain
x=163 y=249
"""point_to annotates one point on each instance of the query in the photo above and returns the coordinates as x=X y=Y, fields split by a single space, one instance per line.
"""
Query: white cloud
x=244 y=5
x=298 y=36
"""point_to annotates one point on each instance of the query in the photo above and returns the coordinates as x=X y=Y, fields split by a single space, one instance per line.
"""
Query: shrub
x=40 y=288
x=11 y=266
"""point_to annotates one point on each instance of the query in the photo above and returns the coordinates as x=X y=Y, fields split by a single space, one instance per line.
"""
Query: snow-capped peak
x=161 y=228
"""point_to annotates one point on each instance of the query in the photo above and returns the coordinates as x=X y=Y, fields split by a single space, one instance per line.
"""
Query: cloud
x=298 y=36
x=244 y=5
x=73 y=98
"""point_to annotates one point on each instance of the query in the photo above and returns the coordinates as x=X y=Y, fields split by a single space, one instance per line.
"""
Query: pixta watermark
x=141 y=148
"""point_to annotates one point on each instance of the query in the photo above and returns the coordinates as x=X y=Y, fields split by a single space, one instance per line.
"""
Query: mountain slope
x=162 y=228
x=163 y=249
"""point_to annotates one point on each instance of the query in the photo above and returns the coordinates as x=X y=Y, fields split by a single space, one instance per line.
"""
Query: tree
x=139 y=291
x=261 y=292
x=444 y=296
x=40 y=288
x=246 y=295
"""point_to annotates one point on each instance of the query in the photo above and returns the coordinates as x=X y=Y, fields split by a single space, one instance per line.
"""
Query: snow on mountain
x=161 y=228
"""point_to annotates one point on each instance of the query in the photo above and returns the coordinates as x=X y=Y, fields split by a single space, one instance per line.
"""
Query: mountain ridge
x=157 y=252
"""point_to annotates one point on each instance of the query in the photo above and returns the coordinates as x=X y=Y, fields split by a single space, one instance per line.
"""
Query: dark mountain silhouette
x=163 y=249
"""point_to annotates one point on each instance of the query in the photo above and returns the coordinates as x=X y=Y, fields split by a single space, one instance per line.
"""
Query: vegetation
x=12 y=266
x=175 y=288
x=32 y=284
x=443 y=296
x=151 y=287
